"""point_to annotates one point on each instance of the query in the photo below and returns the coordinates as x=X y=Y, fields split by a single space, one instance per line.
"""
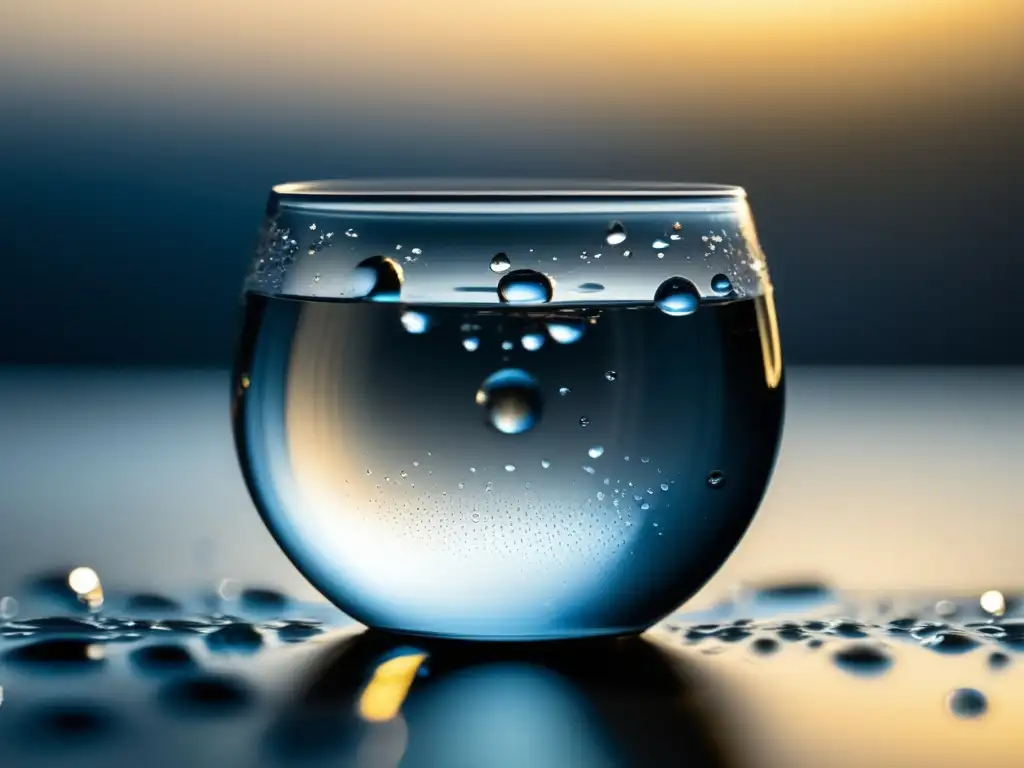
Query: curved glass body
x=508 y=412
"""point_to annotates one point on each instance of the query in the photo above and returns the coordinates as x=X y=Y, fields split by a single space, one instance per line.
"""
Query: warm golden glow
x=993 y=602
x=83 y=580
x=696 y=55
x=382 y=699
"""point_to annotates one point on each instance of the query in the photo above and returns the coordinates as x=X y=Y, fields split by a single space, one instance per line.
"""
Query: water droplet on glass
x=590 y=288
x=611 y=375
x=417 y=251
x=565 y=331
x=616 y=234
x=532 y=341
x=677 y=297
x=316 y=278
x=563 y=391
x=525 y=286
x=471 y=343
x=312 y=227
x=721 y=284
x=659 y=244
x=627 y=253
x=415 y=322
x=600 y=495
x=645 y=459
x=716 y=479
x=967 y=703
x=545 y=463
x=378 y=278
x=510 y=467
x=475 y=517
x=596 y=452
x=500 y=263
x=589 y=470
x=664 y=486
x=512 y=401
x=675 y=237
x=661 y=255
x=584 y=421
x=507 y=346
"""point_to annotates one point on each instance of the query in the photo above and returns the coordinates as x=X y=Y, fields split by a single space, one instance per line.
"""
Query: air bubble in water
x=677 y=296
x=616 y=234
x=415 y=322
x=471 y=343
x=595 y=452
x=721 y=284
x=512 y=401
x=611 y=375
x=967 y=703
x=525 y=286
x=566 y=331
x=532 y=341
x=378 y=278
x=716 y=479
x=500 y=263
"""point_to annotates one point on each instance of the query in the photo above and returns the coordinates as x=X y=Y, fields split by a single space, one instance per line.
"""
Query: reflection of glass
x=530 y=412
x=586 y=703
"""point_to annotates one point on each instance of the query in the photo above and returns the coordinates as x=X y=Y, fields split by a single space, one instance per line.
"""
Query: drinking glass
x=508 y=410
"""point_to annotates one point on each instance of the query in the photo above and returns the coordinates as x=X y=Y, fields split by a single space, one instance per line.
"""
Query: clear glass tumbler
x=509 y=411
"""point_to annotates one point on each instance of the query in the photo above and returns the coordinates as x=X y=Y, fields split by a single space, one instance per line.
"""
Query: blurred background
x=881 y=142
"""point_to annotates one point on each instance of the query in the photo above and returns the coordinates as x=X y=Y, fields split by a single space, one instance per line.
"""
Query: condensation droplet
x=545 y=464
x=721 y=284
x=659 y=244
x=563 y=391
x=716 y=479
x=616 y=234
x=525 y=286
x=584 y=421
x=611 y=375
x=596 y=452
x=677 y=297
x=471 y=343
x=500 y=263
x=379 y=278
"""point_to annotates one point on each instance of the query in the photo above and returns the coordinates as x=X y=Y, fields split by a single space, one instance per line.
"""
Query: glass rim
x=511 y=195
